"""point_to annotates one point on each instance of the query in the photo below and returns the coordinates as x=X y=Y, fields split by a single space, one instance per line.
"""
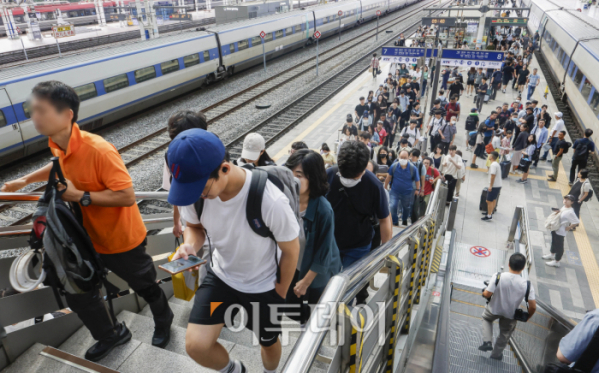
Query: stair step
x=32 y=362
x=147 y=358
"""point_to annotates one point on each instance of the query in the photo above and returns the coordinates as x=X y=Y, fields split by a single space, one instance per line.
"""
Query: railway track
x=52 y=49
x=271 y=128
x=575 y=130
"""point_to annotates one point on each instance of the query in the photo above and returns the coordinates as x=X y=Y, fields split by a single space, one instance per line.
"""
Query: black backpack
x=567 y=148
x=70 y=261
x=581 y=151
x=472 y=139
x=471 y=122
x=253 y=208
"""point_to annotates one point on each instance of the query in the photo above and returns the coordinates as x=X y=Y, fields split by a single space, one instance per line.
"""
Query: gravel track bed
x=147 y=174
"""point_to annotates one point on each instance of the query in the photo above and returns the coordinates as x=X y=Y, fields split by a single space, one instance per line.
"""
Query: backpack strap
x=497 y=281
x=527 y=293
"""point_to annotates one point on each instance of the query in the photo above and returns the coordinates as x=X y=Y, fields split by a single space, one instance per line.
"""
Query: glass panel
x=279 y=34
x=595 y=102
x=566 y=60
x=206 y=56
x=586 y=89
x=169 y=66
x=325 y=20
x=115 y=83
x=298 y=28
x=27 y=109
x=87 y=91
x=571 y=69
x=578 y=78
x=2 y=119
x=191 y=60
x=144 y=74
x=256 y=41
x=289 y=31
x=268 y=37
x=232 y=47
x=243 y=44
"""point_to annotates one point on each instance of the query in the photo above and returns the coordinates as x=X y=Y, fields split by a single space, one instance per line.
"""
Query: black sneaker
x=484 y=214
x=162 y=334
x=486 y=218
x=500 y=357
x=404 y=223
x=486 y=346
x=473 y=165
x=102 y=348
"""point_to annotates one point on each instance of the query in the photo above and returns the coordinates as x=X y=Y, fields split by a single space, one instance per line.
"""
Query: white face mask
x=348 y=183
x=403 y=162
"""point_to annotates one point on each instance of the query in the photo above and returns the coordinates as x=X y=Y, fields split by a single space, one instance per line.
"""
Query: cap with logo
x=559 y=114
x=192 y=156
x=253 y=144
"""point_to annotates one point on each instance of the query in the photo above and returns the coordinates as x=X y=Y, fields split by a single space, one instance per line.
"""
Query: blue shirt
x=533 y=80
x=497 y=75
x=403 y=178
x=541 y=135
x=574 y=343
x=490 y=127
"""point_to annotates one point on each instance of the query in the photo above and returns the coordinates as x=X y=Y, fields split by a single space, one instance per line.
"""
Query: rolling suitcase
x=505 y=169
x=483 y=201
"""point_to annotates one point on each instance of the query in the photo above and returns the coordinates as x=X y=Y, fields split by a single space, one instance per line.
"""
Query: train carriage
x=327 y=17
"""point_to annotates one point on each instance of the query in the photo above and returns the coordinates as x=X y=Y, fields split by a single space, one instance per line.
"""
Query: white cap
x=253 y=144
x=559 y=114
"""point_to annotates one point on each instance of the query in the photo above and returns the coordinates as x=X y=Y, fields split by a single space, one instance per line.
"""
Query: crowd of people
x=319 y=212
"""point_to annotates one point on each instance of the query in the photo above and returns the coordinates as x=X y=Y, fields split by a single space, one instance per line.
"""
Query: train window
x=572 y=70
x=594 y=102
x=325 y=20
x=2 y=119
x=115 y=83
x=27 y=109
x=243 y=44
x=289 y=31
x=586 y=89
x=566 y=61
x=256 y=40
x=298 y=28
x=144 y=74
x=268 y=37
x=191 y=60
x=578 y=78
x=86 y=91
x=206 y=56
x=169 y=66
x=232 y=48
x=279 y=34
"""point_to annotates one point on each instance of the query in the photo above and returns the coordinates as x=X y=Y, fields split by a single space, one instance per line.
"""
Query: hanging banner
x=470 y=54
x=406 y=60
x=471 y=63
x=407 y=52
x=472 y=27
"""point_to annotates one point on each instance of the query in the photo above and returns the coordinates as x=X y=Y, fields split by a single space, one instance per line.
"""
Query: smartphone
x=180 y=265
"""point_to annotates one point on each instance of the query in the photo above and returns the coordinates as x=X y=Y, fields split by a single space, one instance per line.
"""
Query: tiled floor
x=573 y=288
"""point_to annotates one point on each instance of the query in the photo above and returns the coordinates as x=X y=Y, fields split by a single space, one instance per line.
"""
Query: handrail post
x=414 y=243
x=514 y=226
x=396 y=271
x=423 y=236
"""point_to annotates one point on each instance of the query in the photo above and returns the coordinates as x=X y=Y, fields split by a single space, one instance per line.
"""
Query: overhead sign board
x=408 y=52
x=439 y=21
x=471 y=54
x=118 y=17
x=507 y=21
x=63 y=31
x=180 y=16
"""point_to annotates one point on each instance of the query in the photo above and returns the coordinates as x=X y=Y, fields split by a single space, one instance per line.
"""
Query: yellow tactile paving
x=589 y=262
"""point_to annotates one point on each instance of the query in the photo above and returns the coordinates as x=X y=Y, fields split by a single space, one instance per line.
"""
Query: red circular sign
x=481 y=252
x=378 y=12
x=317 y=34
x=262 y=34
x=340 y=13
x=436 y=294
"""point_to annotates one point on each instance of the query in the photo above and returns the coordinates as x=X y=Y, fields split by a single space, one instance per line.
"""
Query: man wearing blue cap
x=243 y=268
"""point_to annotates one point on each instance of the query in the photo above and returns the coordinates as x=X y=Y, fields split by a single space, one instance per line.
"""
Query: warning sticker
x=481 y=252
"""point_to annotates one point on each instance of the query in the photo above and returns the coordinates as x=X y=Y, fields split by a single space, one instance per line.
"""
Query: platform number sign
x=317 y=35
x=479 y=251
x=262 y=34
x=340 y=13
x=378 y=13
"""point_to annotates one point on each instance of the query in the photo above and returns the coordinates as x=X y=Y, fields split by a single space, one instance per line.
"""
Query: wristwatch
x=86 y=200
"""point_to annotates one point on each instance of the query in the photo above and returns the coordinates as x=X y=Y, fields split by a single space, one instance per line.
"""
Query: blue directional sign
x=408 y=52
x=465 y=54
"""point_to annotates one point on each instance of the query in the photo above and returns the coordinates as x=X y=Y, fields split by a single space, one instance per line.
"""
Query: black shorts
x=214 y=297
x=493 y=194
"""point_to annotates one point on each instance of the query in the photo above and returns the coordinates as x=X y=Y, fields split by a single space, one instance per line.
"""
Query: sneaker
x=549 y=256
x=473 y=165
x=486 y=218
x=103 y=347
x=162 y=334
x=404 y=223
x=484 y=214
x=522 y=181
x=486 y=346
x=550 y=178
x=503 y=90
x=500 y=357
x=549 y=160
x=542 y=159
x=553 y=263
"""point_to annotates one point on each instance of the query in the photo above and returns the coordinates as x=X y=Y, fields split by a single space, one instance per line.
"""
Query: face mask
x=403 y=162
x=348 y=183
x=383 y=155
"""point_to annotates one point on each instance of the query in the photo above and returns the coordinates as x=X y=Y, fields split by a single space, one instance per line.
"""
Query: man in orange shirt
x=98 y=179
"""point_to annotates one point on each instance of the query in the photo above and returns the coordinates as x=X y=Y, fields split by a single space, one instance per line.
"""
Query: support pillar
x=481 y=26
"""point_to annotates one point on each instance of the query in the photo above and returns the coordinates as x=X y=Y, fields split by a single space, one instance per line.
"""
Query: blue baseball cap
x=192 y=156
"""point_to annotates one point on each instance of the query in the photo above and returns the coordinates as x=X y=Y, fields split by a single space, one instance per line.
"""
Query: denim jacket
x=321 y=254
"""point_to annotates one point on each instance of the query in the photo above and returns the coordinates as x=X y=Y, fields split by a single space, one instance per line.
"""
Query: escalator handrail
x=557 y=315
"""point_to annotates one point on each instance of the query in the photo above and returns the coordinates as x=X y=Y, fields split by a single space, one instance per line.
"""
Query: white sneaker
x=549 y=257
x=553 y=263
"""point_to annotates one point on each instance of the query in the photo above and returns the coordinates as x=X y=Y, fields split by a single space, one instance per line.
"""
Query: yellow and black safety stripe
x=429 y=246
x=421 y=277
x=396 y=305
x=412 y=283
x=353 y=346
x=437 y=259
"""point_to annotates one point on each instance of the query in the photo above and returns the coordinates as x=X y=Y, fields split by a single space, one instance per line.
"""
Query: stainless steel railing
x=342 y=288
x=15 y=198
x=519 y=234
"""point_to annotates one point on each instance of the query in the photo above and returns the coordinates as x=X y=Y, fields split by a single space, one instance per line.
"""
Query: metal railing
x=519 y=235
x=407 y=258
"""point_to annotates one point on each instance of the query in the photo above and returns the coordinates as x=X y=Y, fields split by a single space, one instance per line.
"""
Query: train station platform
x=574 y=287
x=85 y=32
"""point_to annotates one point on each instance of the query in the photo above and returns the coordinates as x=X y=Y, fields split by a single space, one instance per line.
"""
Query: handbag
x=185 y=284
x=584 y=364
x=489 y=148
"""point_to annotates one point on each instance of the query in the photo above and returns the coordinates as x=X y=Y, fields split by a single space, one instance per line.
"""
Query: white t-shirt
x=166 y=177
x=559 y=126
x=567 y=217
x=495 y=169
x=242 y=259
x=508 y=295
